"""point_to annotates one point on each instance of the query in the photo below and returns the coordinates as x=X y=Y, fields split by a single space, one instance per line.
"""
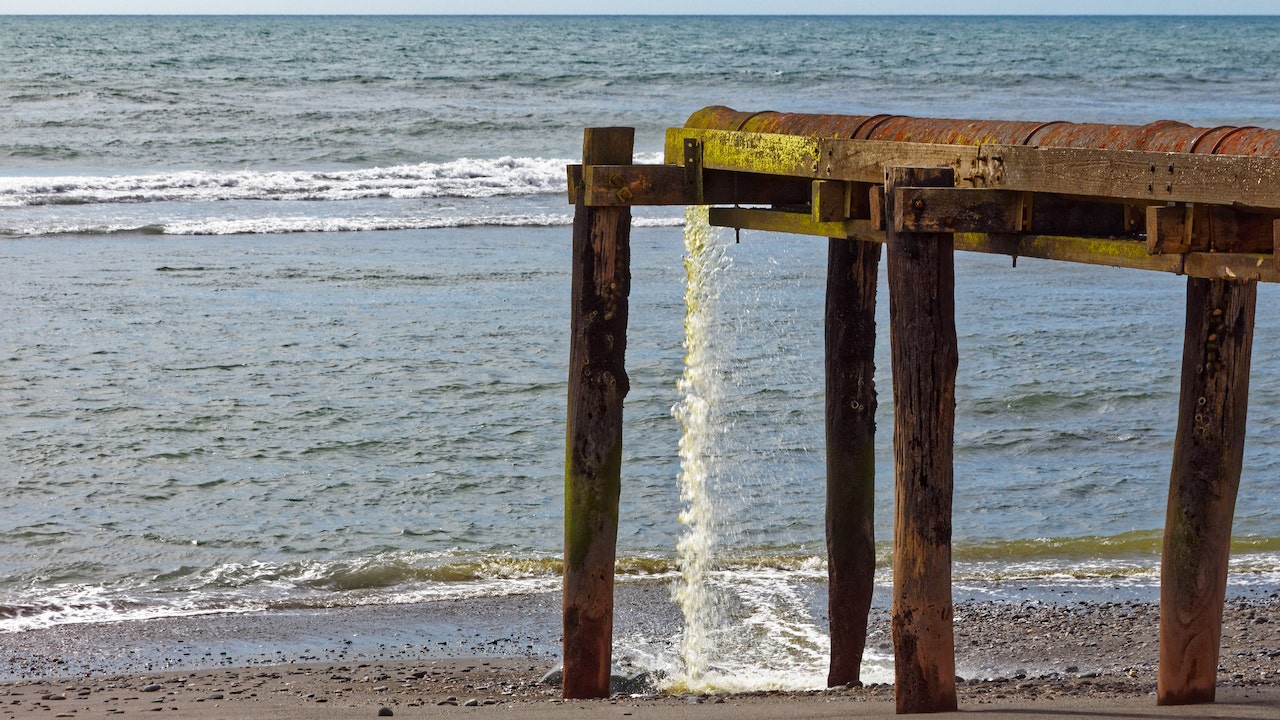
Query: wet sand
x=1084 y=659
x=509 y=687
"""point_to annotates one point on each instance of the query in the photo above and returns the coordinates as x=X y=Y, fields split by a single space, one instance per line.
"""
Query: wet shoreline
x=1026 y=649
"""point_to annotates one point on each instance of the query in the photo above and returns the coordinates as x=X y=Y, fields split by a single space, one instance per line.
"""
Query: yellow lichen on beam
x=793 y=155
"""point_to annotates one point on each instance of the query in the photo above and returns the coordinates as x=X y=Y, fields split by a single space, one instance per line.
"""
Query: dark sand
x=450 y=659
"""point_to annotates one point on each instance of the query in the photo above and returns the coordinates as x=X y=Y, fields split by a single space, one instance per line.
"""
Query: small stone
x=471 y=703
x=214 y=696
x=385 y=711
x=153 y=687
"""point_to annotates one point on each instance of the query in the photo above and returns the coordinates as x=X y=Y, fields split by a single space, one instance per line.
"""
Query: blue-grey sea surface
x=285 y=307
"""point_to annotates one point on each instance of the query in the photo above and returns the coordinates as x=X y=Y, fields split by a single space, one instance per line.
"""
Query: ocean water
x=286 y=311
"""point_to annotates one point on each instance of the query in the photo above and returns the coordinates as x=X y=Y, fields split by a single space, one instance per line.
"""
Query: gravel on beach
x=1027 y=653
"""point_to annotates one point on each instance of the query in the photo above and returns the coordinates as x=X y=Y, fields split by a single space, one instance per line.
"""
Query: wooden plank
x=875 y=201
x=850 y=341
x=1169 y=229
x=1110 y=252
x=618 y=185
x=819 y=158
x=1148 y=176
x=1232 y=266
x=692 y=162
x=866 y=160
x=575 y=182
x=795 y=223
x=1207 y=457
x=957 y=210
x=630 y=185
x=1091 y=251
x=924 y=359
x=829 y=201
x=593 y=456
x=764 y=153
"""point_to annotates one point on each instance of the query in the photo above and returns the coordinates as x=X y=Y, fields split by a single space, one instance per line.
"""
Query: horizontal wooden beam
x=1232 y=266
x=818 y=158
x=1142 y=177
x=1094 y=251
x=1148 y=176
x=623 y=185
x=792 y=155
x=627 y=185
x=950 y=209
x=1123 y=253
x=1090 y=251
x=795 y=223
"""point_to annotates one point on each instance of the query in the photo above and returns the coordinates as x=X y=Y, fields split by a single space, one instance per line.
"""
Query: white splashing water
x=746 y=626
x=699 y=414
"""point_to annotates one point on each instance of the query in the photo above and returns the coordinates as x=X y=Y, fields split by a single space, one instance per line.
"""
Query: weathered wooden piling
x=593 y=453
x=924 y=359
x=1207 y=460
x=850 y=325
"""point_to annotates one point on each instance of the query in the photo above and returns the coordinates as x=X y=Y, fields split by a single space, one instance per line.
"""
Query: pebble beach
x=1027 y=658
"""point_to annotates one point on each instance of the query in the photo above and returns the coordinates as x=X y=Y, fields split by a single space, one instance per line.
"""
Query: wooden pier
x=1199 y=202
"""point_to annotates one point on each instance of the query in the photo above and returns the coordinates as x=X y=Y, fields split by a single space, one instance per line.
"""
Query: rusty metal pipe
x=1159 y=136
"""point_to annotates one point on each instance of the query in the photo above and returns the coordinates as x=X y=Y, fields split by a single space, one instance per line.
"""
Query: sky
x=661 y=7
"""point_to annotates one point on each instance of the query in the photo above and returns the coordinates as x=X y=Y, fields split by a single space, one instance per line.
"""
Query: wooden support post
x=1207 y=457
x=852 y=267
x=593 y=453
x=924 y=359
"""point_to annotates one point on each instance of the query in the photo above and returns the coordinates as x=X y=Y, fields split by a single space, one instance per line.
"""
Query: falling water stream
x=698 y=412
x=750 y=623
